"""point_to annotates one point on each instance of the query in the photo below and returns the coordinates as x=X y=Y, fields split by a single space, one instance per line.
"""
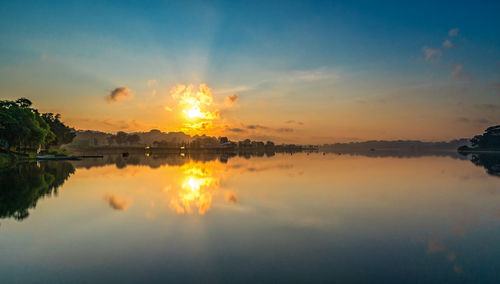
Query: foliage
x=63 y=134
x=489 y=140
x=23 y=126
x=5 y=160
x=124 y=138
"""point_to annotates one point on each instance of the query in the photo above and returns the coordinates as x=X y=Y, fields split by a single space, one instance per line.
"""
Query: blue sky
x=286 y=60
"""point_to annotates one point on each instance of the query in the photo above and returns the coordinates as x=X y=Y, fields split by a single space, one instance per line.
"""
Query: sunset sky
x=289 y=71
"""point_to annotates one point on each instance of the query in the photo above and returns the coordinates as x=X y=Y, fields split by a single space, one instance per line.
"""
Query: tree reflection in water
x=491 y=162
x=24 y=184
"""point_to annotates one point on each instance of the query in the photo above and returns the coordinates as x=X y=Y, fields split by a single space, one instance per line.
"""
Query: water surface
x=288 y=218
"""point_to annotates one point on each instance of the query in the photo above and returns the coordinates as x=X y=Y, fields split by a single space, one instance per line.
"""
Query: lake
x=279 y=218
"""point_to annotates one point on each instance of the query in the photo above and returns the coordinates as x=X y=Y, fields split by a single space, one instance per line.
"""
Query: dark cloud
x=232 y=99
x=463 y=119
x=262 y=127
x=284 y=129
x=257 y=126
x=118 y=93
x=294 y=122
x=236 y=129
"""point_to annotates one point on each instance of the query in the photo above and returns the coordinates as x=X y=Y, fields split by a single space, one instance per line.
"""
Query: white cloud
x=431 y=53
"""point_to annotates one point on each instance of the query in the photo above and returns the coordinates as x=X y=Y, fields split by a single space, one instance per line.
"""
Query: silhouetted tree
x=121 y=137
x=133 y=139
x=490 y=139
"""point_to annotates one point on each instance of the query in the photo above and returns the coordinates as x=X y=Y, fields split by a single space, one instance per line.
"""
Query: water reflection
x=207 y=218
x=24 y=184
x=198 y=187
x=491 y=162
x=196 y=181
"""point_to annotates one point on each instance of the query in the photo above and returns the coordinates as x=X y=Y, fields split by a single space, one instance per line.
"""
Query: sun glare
x=197 y=106
x=197 y=189
x=193 y=113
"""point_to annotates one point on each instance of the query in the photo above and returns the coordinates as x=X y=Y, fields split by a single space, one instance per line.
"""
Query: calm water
x=287 y=218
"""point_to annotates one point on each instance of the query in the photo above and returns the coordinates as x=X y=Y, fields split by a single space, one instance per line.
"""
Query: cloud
x=287 y=77
x=236 y=89
x=431 y=53
x=267 y=128
x=453 y=32
x=458 y=73
x=153 y=93
x=257 y=126
x=294 y=122
x=447 y=43
x=312 y=75
x=43 y=57
x=284 y=129
x=116 y=203
x=167 y=108
x=232 y=99
x=231 y=198
x=151 y=83
x=111 y=125
x=119 y=92
x=235 y=129
x=473 y=121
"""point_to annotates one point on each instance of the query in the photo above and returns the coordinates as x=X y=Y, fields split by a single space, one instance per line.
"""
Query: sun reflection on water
x=198 y=187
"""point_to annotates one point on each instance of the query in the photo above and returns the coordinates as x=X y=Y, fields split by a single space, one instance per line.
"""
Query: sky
x=287 y=71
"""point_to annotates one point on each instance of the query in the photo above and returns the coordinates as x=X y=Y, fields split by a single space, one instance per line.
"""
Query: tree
x=21 y=125
x=490 y=139
x=121 y=137
x=63 y=134
x=111 y=139
x=133 y=139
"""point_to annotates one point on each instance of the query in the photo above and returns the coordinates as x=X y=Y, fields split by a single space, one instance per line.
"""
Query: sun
x=198 y=108
x=193 y=112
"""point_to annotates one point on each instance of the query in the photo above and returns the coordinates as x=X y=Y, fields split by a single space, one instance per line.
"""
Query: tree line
x=23 y=127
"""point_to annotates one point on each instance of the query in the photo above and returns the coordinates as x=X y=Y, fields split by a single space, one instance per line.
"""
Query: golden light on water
x=197 y=189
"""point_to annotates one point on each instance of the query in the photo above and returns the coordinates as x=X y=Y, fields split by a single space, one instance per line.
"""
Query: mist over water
x=252 y=218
